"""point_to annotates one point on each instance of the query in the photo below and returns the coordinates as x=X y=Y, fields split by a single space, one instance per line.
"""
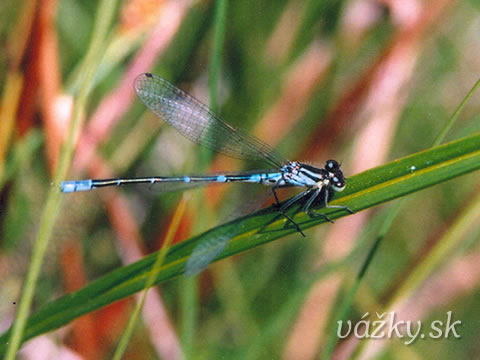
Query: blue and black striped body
x=291 y=174
x=269 y=178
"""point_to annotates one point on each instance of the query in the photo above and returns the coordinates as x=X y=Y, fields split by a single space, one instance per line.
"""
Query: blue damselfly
x=197 y=122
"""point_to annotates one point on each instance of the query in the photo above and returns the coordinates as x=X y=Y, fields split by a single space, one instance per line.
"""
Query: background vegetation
x=362 y=81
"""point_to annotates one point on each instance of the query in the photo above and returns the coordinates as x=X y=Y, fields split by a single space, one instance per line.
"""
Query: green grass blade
x=348 y=299
x=367 y=189
x=454 y=117
x=127 y=334
x=390 y=217
x=52 y=206
x=215 y=63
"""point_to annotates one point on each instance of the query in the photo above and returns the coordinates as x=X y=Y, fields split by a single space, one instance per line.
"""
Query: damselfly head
x=335 y=175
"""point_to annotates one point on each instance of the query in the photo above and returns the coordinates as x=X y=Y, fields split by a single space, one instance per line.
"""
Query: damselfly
x=197 y=122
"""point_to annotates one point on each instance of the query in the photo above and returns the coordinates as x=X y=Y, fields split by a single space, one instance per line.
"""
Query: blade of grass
x=172 y=229
x=102 y=24
x=439 y=252
x=375 y=186
x=455 y=115
x=216 y=60
x=390 y=217
x=446 y=244
x=442 y=249
x=348 y=299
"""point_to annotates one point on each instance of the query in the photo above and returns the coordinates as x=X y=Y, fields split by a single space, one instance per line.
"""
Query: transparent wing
x=204 y=254
x=194 y=120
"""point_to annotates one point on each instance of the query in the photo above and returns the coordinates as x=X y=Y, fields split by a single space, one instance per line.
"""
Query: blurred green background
x=360 y=81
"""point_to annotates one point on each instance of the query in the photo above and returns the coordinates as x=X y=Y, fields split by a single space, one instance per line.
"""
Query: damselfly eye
x=331 y=165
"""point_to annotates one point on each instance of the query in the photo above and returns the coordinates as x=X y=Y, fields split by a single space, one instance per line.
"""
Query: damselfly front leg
x=282 y=208
x=313 y=214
